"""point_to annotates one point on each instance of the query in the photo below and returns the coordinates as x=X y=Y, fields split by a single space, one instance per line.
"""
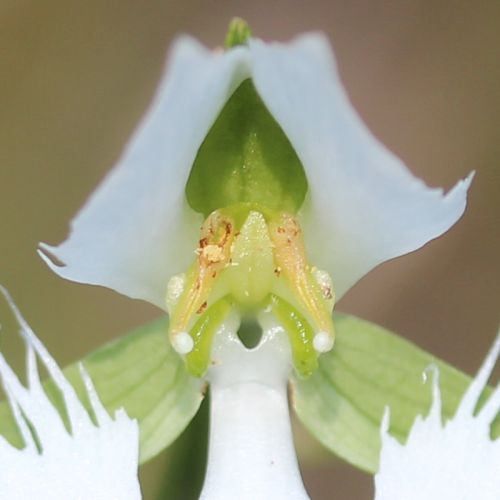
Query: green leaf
x=141 y=373
x=342 y=403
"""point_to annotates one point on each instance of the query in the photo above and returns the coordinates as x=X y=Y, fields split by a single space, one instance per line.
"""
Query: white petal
x=136 y=231
x=454 y=461
x=92 y=462
x=364 y=206
x=251 y=453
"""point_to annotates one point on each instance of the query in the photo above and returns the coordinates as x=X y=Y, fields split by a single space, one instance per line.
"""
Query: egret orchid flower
x=95 y=461
x=451 y=461
x=259 y=146
x=203 y=151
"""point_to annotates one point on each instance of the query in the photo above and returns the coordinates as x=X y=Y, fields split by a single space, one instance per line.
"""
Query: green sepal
x=141 y=373
x=342 y=402
x=246 y=158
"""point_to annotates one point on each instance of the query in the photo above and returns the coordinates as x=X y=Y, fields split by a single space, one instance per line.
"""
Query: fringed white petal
x=136 y=230
x=456 y=460
x=364 y=206
x=251 y=452
x=88 y=461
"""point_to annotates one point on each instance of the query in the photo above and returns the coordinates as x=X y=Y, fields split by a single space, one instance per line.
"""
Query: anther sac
x=246 y=158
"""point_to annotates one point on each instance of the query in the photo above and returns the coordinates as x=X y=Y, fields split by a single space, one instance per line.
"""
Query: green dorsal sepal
x=246 y=158
x=238 y=33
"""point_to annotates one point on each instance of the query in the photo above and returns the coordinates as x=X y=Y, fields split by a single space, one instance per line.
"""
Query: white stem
x=251 y=453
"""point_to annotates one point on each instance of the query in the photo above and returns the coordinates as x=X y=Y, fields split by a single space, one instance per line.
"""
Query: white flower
x=90 y=461
x=363 y=205
x=137 y=231
x=456 y=460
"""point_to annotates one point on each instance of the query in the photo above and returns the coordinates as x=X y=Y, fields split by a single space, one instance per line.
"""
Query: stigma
x=251 y=260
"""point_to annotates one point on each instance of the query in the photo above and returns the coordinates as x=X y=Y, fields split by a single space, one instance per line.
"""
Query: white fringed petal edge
x=456 y=460
x=97 y=461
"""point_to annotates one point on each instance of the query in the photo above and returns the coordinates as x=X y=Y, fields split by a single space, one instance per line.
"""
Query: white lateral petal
x=364 y=206
x=136 y=230
x=93 y=462
x=454 y=461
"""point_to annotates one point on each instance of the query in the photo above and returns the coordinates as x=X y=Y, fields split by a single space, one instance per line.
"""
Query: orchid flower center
x=251 y=260
x=249 y=184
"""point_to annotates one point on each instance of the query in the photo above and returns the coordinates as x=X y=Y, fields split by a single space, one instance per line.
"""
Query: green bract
x=246 y=158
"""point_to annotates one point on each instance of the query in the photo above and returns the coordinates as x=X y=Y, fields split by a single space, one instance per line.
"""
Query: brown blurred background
x=77 y=75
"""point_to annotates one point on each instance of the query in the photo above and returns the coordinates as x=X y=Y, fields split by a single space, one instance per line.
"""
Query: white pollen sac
x=323 y=342
x=182 y=342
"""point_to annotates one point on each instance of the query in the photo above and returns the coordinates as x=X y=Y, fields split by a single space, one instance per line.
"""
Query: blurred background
x=77 y=75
